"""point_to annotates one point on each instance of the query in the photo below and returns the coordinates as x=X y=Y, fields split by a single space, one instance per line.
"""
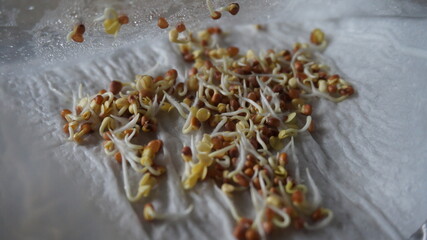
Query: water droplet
x=30 y=8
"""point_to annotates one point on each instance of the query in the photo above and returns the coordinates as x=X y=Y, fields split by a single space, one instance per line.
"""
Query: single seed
x=230 y=126
x=249 y=172
x=203 y=114
x=232 y=51
x=99 y=99
x=64 y=113
x=293 y=93
x=299 y=67
x=253 y=96
x=186 y=151
x=118 y=157
x=233 y=8
x=123 y=19
x=252 y=234
x=172 y=74
x=332 y=89
x=317 y=36
x=233 y=153
x=241 y=180
x=80 y=29
x=306 y=109
x=155 y=145
x=216 y=15
x=65 y=128
x=115 y=87
x=180 y=27
x=268 y=227
x=162 y=23
x=239 y=232
x=297 y=197
x=216 y=98
x=283 y=159
x=273 y=122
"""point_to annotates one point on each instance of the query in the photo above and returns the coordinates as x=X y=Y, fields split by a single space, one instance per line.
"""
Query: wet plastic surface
x=368 y=154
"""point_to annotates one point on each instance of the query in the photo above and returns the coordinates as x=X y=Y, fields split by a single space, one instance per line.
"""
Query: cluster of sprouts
x=243 y=112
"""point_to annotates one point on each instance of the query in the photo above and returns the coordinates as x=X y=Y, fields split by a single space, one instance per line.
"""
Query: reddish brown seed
x=64 y=113
x=208 y=64
x=293 y=93
x=287 y=55
x=273 y=122
x=253 y=96
x=230 y=126
x=216 y=98
x=193 y=71
x=79 y=110
x=232 y=51
x=65 y=128
x=265 y=131
x=283 y=159
x=195 y=122
x=299 y=67
x=171 y=74
x=186 y=151
x=204 y=43
x=162 y=23
x=250 y=160
x=99 y=99
x=234 y=104
x=77 y=38
x=278 y=88
x=348 y=91
x=249 y=172
x=251 y=234
x=254 y=142
x=180 y=27
x=239 y=232
x=118 y=157
x=146 y=93
x=233 y=8
x=105 y=136
x=332 y=89
x=123 y=19
x=217 y=142
x=297 y=197
x=256 y=183
x=317 y=215
x=86 y=127
x=241 y=180
x=102 y=91
x=115 y=87
x=189 y=57
x=268 y=227
x=80 y=29
x=155 y=145
x=234 y=152
x=253 y=82
x=216 y=15
x=269 y=214
x=322 y=75
x=334 y=77
x=306 y=109
x=214 y=30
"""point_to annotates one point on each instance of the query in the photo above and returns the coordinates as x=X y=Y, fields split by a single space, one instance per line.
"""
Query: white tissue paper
x=367 y=156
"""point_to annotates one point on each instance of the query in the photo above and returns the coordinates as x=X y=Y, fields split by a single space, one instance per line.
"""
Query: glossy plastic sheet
x=367 y=155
